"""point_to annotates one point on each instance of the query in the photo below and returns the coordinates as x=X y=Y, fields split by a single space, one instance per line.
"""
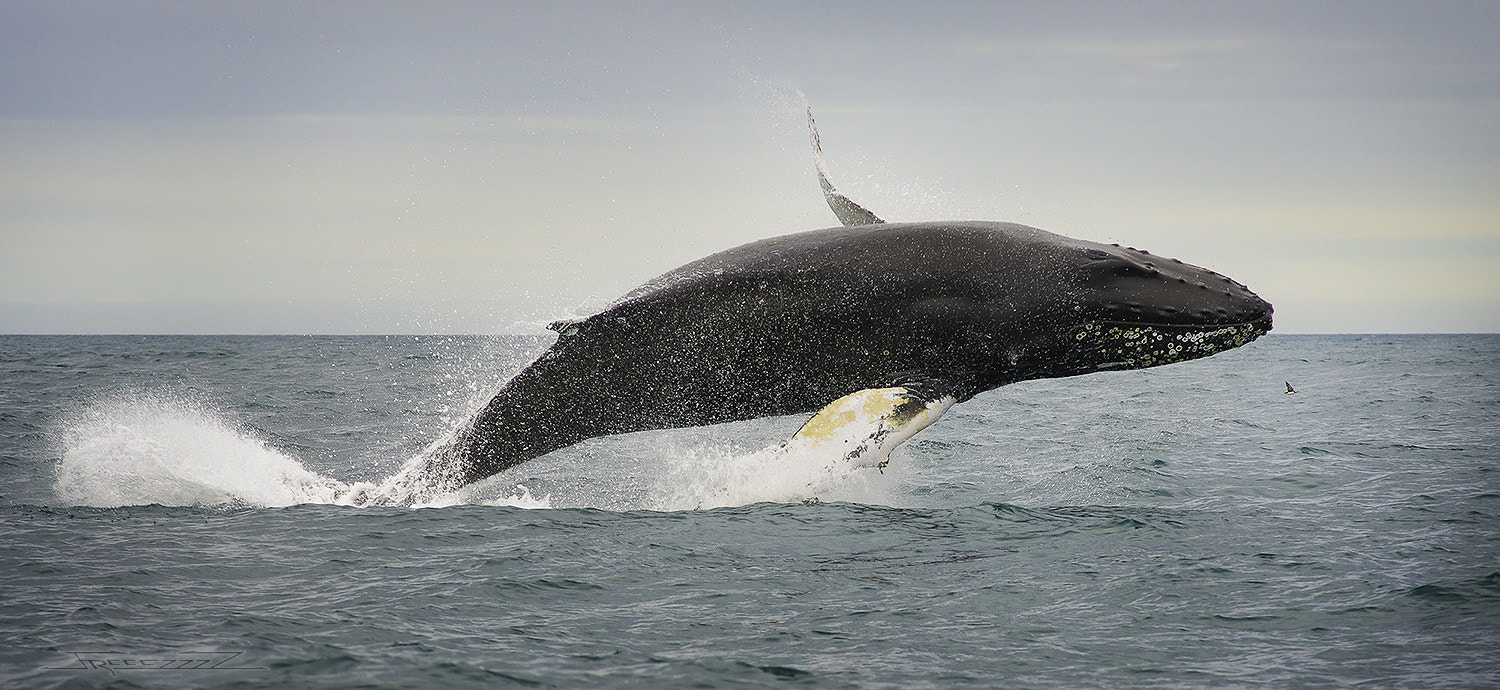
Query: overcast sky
x=480 y=168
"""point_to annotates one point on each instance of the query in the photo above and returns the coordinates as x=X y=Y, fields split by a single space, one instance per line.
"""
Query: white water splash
x=154 y=449
x=148 y=449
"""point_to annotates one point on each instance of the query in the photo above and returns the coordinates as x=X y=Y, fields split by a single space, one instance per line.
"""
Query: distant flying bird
x=1289 y=389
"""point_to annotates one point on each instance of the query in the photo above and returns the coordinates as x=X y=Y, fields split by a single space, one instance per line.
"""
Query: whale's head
x=1132 y=310
x=1043 y=305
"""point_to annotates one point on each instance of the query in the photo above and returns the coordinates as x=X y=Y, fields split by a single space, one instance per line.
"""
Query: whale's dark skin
x=788 y=324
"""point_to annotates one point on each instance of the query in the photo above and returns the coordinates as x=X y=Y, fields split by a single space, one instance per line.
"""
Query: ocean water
x=162 y=525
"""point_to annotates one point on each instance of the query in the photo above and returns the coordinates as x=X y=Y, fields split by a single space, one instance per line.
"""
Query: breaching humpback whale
x=881 y=326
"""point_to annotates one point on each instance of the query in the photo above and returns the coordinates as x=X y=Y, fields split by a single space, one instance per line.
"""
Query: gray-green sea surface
x=1187 y=526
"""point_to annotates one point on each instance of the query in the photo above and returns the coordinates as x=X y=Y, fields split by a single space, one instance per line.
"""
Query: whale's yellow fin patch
x=868 y=404
x=866 y=425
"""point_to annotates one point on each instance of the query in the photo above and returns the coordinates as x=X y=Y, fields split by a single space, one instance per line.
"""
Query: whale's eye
x=1097 y=255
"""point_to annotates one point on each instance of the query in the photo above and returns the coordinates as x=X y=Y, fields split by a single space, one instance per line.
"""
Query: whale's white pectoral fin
x=848 y=212
x=866 y=425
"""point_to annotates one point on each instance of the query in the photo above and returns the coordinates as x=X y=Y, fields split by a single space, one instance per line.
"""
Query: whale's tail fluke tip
x=848 y=212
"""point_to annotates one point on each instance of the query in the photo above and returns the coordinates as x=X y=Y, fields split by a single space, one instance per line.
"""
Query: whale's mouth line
x=1118 y=345
x=1262 y=322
